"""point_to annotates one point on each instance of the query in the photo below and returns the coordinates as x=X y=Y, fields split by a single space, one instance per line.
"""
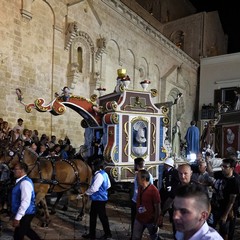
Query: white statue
x=230 y=136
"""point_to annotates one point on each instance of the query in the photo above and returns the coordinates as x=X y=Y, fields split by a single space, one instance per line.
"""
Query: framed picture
x=230 y=139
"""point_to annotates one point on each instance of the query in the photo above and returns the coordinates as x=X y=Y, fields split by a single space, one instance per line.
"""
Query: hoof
x=45 y=224
x=53 y=212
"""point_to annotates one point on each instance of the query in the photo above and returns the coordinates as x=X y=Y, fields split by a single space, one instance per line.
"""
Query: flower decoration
x=127 y=78
x=145 y=81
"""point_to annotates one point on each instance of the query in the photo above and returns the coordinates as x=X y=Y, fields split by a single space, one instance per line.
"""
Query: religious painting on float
x=230 y=139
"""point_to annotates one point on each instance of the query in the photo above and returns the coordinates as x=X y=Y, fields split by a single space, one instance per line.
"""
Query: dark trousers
x=133 y=215
x=24 y=229
x=98 y=209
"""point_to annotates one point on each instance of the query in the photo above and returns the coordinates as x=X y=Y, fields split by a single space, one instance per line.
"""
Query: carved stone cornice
x=127 y=13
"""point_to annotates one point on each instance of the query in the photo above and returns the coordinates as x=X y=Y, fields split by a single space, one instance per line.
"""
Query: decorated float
x=119 y=126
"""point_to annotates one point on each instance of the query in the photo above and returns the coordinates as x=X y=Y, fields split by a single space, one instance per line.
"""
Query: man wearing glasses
x=225 y=199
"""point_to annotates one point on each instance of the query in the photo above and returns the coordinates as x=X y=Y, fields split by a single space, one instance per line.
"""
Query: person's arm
x=156 y=212
x=209 y=167
x=229 y=207
x=98 y=180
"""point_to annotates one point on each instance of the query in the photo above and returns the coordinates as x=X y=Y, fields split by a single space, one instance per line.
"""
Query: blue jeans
x=139 y=228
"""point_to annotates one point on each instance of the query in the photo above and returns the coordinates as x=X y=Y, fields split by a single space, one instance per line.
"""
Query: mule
x=50 y=175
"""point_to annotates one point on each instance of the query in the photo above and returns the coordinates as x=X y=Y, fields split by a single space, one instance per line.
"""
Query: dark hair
x=207 y=154
x=144 y=174
x=195 y=191
x=139 y=161
x=23 y=166
x=20 y=120
x=98 y=164
x=193 y=122
x=230 y=161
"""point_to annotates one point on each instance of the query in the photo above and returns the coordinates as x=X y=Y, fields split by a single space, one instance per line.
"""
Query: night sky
x=229 y=13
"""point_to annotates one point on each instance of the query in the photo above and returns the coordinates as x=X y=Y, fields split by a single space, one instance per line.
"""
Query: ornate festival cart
x=120 y=126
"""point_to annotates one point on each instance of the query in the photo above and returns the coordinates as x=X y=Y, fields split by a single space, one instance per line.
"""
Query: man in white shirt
x=23 y=204
x=98 y=192
x=191 y=211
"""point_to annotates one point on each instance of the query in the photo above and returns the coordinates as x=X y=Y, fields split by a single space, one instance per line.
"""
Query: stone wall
x=46 y=45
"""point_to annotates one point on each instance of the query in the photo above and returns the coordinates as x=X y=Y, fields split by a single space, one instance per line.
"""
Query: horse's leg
x=59 y=195
x=81 y=212
x=85 y=206
x=46 y=213
x=40 y=198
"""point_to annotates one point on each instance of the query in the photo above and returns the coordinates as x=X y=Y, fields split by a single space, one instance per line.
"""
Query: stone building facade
x=49 y=44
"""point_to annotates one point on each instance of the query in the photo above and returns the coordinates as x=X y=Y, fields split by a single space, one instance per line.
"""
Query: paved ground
x=64 y=226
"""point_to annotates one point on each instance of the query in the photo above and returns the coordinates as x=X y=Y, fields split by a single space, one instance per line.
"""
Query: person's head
x=33 y=146
x=20 y=122
x=138 y=163
x=25 y=132
x=191 y=209
x=143 y=178
x=5 y=124
x=193 y=123
x=199 y=157
x=169 y=163
x=202 y=166
x=207 y=155
x=228 y=165
x=97 y=164
x=53 y=138
x=57 y=148
x=184 y=173
x=20 y=169
x=42 y=148
x=35 y=132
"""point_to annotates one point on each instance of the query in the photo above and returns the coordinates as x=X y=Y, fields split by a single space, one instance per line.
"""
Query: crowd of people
x=221 y=189
x=44 y=145
x=199 y=203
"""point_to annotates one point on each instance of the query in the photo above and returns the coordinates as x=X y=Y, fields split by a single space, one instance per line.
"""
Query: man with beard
x=225 y=199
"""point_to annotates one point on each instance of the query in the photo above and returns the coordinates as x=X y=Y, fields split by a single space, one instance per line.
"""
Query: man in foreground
x=23 y=204
x=191 y=210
